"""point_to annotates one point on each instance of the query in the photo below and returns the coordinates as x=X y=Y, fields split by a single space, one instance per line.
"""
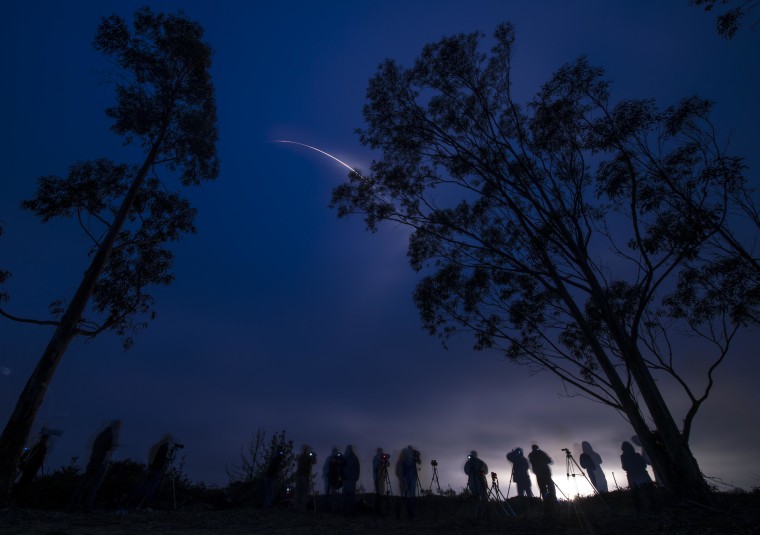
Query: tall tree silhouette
x=556 y=232
x=165 y=105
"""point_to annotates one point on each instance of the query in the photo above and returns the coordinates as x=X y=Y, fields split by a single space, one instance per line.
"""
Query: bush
x=119 y=489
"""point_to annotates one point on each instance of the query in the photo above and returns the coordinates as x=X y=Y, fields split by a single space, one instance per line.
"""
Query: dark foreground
x=735 y=514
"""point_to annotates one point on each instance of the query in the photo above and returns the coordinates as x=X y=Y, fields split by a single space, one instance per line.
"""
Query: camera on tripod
x=177 y=446
x=567 y=451
x=433 y=463
x=416 y=455
x=384 y=458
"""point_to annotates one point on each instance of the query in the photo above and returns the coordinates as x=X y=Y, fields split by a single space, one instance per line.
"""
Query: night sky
x=283 y=316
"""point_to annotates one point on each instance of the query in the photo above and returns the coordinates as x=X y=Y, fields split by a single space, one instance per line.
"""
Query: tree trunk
x=674 y=463
x=29 y=401
x=687 y=480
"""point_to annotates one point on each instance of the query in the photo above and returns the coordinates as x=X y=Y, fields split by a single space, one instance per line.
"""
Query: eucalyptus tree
x=165 y=106
x=560 y=232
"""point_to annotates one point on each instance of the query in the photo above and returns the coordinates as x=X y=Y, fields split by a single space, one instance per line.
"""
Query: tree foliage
x=730 y=20
x=130 y=212
x=166 y=105
x=558 y=231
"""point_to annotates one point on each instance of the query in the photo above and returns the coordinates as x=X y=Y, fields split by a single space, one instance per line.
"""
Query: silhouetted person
x=476 y=471
x=539 y=462
x=29 y=464
x=306 y=461
x=640 y=483
x=272 y=476
x=326 y=470
x=335 y=477
x=351 y=472
x=406 y=470
x=520 y=474
x=102 y=449
x=380 y=463
x=158 y=458
x=591 y=461
x=637 y=441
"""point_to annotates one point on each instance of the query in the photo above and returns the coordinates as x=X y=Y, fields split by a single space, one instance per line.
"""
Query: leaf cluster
x=91 y=192
x=168 y=95
x=730 y=20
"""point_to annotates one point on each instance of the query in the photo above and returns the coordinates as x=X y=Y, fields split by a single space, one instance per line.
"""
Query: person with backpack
x=540 y=462
x=639 y=481
x=476 y=471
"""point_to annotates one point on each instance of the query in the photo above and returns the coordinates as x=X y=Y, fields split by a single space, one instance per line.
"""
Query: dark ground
x=735 y=514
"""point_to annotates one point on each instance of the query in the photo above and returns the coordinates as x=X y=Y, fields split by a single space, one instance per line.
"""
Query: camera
x=566 y=450
x=416 y=456
x=433 y=463
x=177 y=446
x=384 y=457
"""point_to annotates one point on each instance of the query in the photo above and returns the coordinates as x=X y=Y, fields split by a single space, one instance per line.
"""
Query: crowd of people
x=341 y=472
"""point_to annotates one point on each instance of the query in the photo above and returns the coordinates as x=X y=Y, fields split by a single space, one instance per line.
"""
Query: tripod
x=511 y=479
x=383 y=480
x=419 y=486
x=434 y=479
x=387 y=480
x=570 y=466
x=173 y=473
x=495 y=495
x=154 y=480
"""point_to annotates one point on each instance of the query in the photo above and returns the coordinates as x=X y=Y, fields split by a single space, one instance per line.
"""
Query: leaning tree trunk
x=687 y=479
x=29 y=401
x=674 y=463
x=672 y=459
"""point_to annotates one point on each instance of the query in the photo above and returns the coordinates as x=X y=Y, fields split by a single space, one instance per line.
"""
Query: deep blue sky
x=283 y=316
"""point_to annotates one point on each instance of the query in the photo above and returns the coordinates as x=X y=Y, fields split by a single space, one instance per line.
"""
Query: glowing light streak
x=341 y=162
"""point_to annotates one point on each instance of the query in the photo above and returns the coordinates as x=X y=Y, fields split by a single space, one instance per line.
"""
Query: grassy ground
x=737 y=514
